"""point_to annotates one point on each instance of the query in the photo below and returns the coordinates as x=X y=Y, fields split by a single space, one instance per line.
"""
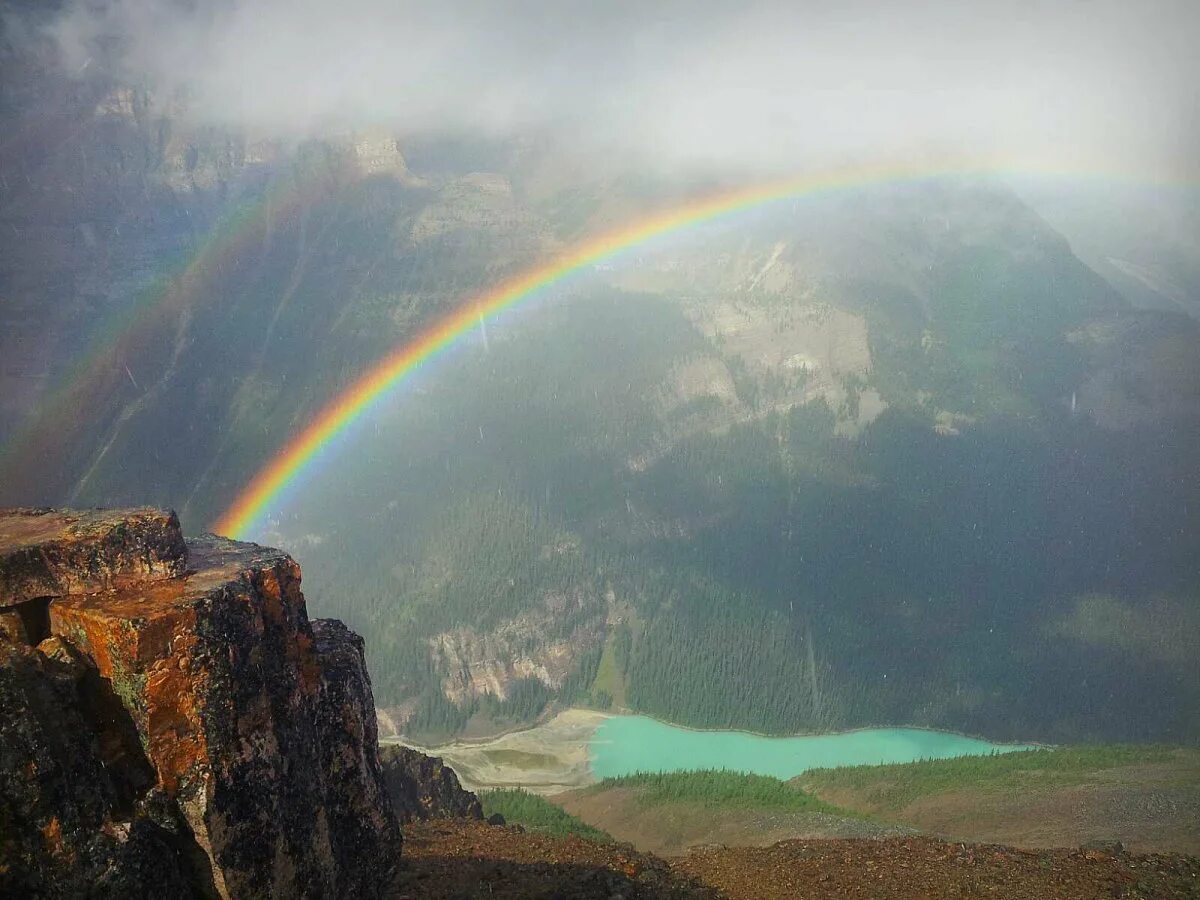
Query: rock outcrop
x=172 y=721
x=423 y=787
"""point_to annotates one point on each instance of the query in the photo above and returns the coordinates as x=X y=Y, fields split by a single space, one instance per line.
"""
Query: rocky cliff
x=424 y=787
x=172 y=721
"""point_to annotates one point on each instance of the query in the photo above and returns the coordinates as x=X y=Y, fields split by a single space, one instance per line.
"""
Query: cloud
x=713 y=83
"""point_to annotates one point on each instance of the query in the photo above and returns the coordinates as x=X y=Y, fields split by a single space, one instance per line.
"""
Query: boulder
x=178 y=697
x=423 y=787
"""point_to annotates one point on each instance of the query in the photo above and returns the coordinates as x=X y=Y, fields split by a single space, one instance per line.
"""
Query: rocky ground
x=424 y=787
x=1150 y=807
x=453 y=859
x=460 y=859
x=670 y=829
x=172 y=723
x=914 y=868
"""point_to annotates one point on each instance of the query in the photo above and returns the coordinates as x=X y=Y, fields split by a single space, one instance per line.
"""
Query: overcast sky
x=747 y=84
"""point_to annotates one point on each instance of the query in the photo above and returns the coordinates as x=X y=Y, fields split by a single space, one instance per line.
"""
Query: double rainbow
x=298 y=454
x=239 y=233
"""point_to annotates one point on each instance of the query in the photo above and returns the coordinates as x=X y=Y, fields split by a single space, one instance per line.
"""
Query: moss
x=130 y=688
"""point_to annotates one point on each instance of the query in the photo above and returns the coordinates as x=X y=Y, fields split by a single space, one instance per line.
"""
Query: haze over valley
x=877 y=409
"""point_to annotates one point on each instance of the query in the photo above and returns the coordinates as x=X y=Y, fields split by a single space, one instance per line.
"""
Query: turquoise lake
x=626 y=744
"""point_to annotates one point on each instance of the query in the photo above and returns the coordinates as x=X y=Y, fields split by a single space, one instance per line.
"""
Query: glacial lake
x=625 y=744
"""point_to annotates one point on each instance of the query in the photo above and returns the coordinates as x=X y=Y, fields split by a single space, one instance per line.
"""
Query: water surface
x=625 y=744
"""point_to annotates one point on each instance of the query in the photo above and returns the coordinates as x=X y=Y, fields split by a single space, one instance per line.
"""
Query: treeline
x=720 y=789
x=519 y=807
x=711 y=658
x=785 y=577
x=898 y=784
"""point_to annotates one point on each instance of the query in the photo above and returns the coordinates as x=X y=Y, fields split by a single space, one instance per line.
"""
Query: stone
x=185 y=722
x=56 y=552
x=424 y=787
x=357 y=804
x=68 y=823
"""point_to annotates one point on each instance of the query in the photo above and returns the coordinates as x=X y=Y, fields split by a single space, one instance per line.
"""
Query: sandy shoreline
x=546 y=759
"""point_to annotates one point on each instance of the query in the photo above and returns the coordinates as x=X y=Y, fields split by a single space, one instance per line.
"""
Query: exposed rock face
x=379 y=154
x=183 y=726
x=423 y=787
x=78 y=813
x=479 y=201
x=357 y=807
x=51 y=553
x=476 y=663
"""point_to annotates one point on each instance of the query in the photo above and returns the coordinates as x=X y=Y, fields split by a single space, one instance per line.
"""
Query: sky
x=705 y=83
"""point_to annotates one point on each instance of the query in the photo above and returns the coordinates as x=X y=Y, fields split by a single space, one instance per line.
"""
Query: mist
x=763 y=85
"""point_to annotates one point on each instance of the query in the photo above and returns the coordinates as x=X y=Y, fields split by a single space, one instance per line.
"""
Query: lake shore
x=854 y=730
x=556 y=755
x=395 y=738
x=546 y=759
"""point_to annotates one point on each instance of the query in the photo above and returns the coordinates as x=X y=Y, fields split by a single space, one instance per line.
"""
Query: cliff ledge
x=170 y=719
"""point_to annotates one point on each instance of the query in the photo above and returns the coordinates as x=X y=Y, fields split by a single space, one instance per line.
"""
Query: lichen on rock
x=181 y=726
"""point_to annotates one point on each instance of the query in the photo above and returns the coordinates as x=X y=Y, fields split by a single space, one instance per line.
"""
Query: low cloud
x=762 y=84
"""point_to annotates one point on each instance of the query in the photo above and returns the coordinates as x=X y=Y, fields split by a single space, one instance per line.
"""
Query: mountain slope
x=892 y=455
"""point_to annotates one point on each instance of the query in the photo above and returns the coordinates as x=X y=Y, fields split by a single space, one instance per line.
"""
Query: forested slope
x=888 y=455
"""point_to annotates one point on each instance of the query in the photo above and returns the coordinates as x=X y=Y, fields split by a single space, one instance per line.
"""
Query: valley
x=899 y=451
x=599 y=451
x=745 y=792
x=579 y=747
x=654 y=476
x=1145 y=799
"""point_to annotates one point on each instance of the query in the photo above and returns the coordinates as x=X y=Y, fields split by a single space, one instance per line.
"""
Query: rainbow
x=240 y=232
x=333 y=419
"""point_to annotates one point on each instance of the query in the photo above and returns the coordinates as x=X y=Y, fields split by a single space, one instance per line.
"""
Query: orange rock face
x=56 y=552
x=202 y=670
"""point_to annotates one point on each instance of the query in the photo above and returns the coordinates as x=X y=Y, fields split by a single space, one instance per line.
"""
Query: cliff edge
x=170 y=719
x=423 y=787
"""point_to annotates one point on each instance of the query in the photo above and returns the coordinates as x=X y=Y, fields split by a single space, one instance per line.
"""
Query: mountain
x=892 y=455
x=1141 y=238
x=952 y=489
x=175 y=722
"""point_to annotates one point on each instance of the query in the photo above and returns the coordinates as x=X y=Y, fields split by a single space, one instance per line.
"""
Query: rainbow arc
x=298 y=455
